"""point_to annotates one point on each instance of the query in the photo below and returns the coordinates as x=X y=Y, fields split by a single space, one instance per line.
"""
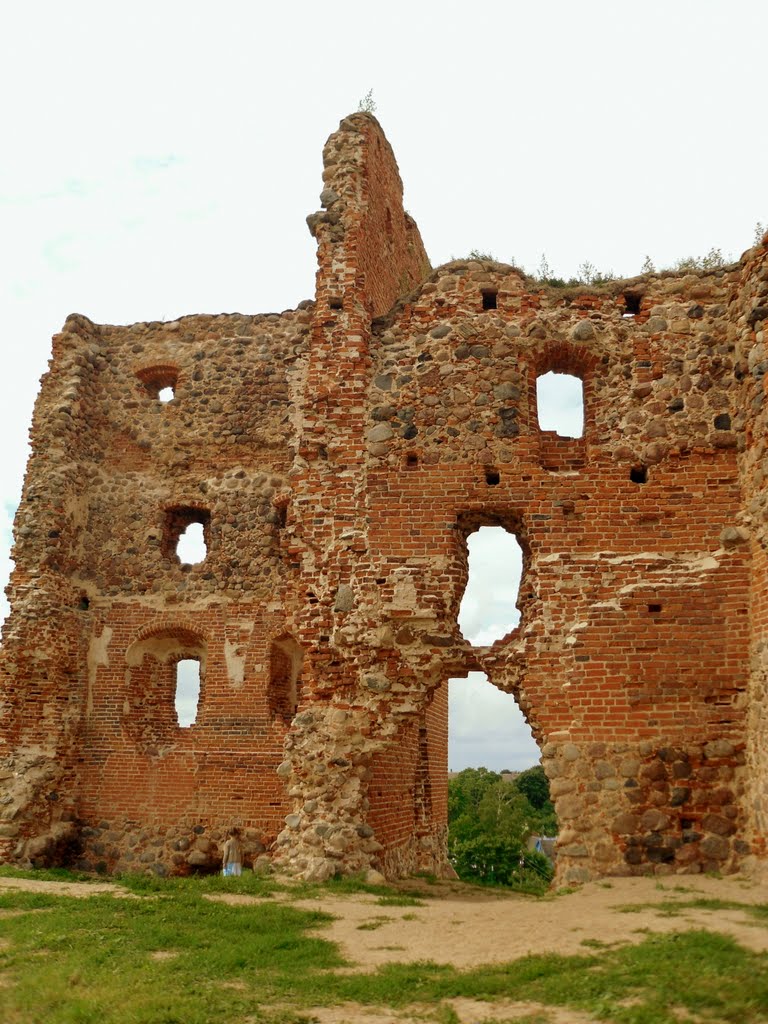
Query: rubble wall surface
x=337 y=457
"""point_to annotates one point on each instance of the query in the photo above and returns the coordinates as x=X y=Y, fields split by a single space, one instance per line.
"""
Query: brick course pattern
x=337 y=457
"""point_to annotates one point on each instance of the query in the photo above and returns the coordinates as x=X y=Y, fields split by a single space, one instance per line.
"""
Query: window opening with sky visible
x=187 y=691
x=486 y=727
x=560 y=403
x=191 y=547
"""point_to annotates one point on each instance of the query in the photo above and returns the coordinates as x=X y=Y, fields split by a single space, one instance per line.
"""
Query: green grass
x=399 y=900
x=95 y=960
x=373 y=924
x=248 y=884
x=83 y=960
x=47 y=874
x=676 y=908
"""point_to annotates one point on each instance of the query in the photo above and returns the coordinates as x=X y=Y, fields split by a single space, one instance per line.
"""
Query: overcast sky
x=160 y=158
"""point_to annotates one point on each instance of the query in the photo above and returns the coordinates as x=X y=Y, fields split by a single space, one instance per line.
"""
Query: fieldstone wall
x=337 y=457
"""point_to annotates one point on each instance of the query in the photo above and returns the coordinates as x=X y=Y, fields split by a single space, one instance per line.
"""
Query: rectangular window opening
x=560 y=404
x=187 y=698
x=490 y=298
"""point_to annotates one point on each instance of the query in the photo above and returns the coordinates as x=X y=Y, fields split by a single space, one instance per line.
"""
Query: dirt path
x=80 y=889
x=466 y=927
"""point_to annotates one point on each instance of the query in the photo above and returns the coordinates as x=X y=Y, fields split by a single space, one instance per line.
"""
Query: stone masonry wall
x=337 y=457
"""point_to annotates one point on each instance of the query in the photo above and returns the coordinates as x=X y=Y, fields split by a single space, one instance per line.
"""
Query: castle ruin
x=337 y=457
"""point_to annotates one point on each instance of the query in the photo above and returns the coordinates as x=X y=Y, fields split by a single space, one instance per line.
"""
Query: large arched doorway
x=500 y=815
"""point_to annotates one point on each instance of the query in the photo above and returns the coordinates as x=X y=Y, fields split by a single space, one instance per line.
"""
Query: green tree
x=490 y=821
x=467 y=789
x=534 y=785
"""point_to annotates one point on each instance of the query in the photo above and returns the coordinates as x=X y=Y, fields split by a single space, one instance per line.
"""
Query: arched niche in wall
x=286 y=659
x=149 y=715
x=159 y=382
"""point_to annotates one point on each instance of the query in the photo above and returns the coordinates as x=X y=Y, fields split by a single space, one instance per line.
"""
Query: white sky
x=160 y=158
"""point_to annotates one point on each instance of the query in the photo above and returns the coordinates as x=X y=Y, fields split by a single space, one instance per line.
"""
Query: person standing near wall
x=232 y=856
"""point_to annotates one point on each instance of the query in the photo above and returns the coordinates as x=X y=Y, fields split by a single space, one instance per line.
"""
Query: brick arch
x=566 y=357
x=179 y=627
x=158 y=376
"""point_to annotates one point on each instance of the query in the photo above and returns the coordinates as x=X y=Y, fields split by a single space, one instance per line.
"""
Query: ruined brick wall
x=749 y=315
x=338 y=457
x=98 y=727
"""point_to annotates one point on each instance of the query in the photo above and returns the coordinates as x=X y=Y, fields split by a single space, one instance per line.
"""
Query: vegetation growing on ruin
x=489 y=823
x=590 y=276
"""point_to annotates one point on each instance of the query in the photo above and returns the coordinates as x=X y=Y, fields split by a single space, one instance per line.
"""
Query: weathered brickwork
x=337 y=457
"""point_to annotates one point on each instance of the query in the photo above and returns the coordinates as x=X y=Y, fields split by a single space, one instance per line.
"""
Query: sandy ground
x=466 y=927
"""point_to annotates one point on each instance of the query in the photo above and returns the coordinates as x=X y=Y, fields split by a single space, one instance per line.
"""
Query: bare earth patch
x=468 y=1011
x=79 y=889
x=466 y=926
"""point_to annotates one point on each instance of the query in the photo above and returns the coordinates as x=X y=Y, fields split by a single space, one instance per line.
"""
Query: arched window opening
x=160 y=382
x=187 y=697
x=165 y=687
x=489 y=607
x=185 y=536
x=495 y=825
x=560 y=404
